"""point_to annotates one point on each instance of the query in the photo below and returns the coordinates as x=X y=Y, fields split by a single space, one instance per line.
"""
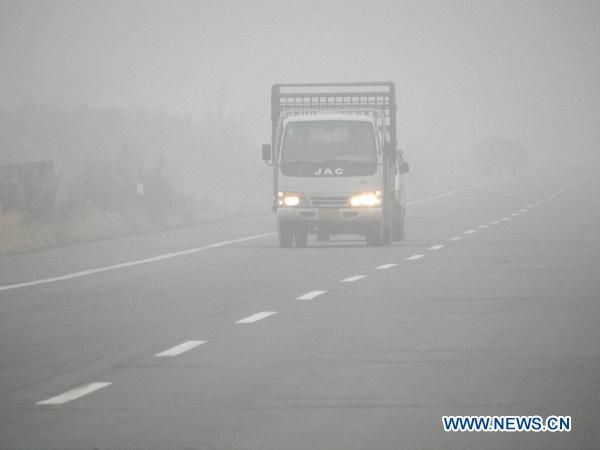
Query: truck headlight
x=289 y=198
x=366 y=199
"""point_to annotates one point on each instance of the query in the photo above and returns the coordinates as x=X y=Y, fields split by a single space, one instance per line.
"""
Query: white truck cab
x=334 y=170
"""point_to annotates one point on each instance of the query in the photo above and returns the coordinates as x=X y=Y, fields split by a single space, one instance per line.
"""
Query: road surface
x=490 y=307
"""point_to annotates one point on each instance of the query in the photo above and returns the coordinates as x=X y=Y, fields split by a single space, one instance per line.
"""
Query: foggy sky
x=465 y=71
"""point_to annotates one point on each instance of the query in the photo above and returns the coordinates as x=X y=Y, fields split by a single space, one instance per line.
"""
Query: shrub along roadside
x=99 y=202
x=69 y=176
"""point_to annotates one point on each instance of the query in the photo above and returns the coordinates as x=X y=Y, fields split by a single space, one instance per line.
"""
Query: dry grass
x=16 y=236
x=13 y=236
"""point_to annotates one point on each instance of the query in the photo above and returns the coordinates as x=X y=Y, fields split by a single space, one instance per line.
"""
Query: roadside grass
x=20 y=235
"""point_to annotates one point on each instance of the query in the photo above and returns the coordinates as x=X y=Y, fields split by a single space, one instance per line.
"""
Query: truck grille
x=329 y=201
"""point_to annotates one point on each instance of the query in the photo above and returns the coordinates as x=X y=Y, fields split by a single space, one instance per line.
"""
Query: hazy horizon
x=526 y=71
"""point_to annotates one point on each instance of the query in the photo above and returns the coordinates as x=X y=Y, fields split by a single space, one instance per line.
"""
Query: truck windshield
x=333 y=147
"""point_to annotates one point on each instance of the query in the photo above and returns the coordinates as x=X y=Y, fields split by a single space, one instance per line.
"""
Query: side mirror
x=404 y=168
x=266 y=152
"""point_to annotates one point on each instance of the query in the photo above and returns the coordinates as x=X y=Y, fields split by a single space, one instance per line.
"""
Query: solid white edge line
x=219 y=244
x=132 y=263
x=310 y=295
x=414 y=257
x=386 y=266
x=453 y=191
x=435 y=197
x=353 y=278
x=195 y=250
x=74 y=394
x=436 y=247
x=256 y=317
x=181 y=348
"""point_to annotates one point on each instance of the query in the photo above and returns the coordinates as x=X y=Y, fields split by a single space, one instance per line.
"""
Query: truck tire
x=374 y=236
x=322 y=236
x=387 y=231
x=398 y=224
x=286 y=235
x=300 y=238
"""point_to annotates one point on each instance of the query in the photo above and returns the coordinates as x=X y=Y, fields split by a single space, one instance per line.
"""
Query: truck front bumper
x=332 y=220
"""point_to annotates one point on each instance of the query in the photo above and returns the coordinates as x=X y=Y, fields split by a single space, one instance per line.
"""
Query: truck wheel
x=286 y=235
x=322 y=236
x=374 y=236
x=387 y=234
x=398 y=224
x=301 y=238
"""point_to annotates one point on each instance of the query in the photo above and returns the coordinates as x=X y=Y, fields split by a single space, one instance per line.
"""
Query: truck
x=336 y=167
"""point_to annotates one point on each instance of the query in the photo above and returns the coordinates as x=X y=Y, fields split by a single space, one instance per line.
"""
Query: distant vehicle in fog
x=499 y=155
x=336 y=169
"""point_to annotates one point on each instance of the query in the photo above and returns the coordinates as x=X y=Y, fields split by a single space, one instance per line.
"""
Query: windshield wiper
x=346 y=161
x=300 y=161
x=326 y=162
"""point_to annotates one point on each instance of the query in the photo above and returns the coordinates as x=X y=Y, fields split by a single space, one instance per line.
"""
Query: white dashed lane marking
x=353 y=278
x=514 y=214
x=181 y=348
x=455 y=238
x=483 y=226
x=310 y=295
x=74 y=394
x=522 y=210
x=413 y=257
x=505 y=218
x=386 y=266
x=436 y=247
x=495 y=222
x=470 y=231
x=256 y=317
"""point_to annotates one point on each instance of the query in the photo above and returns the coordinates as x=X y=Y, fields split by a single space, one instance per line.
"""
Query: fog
x=177 y=273
x=465 y=72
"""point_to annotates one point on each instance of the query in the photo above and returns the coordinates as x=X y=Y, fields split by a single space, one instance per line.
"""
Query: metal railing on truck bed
x=378 y=96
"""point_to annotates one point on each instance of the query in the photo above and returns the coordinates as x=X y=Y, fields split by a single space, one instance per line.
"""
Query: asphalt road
x=503 y=321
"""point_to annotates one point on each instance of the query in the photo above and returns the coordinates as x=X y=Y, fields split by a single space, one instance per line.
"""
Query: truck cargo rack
x=313 y=98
